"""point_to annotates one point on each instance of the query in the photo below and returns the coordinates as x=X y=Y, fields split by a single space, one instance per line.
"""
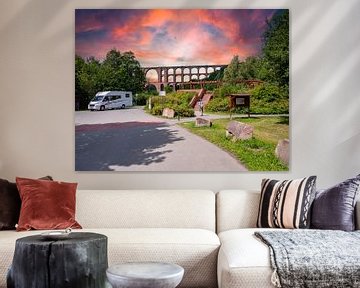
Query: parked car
x=111 y=100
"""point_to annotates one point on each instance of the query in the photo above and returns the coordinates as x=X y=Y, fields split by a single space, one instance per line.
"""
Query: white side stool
x=145 y=275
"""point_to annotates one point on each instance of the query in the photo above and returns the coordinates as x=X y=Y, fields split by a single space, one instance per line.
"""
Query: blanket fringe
x=275 y=280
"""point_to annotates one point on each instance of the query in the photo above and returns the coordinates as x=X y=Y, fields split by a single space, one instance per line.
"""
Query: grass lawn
x=258 y=153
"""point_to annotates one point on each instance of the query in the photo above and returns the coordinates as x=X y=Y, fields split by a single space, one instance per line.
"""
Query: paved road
x=132 y=140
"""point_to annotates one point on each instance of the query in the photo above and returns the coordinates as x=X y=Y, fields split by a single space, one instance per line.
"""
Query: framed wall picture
x=153 y=90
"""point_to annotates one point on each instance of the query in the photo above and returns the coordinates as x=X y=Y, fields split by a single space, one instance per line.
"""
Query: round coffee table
x=145 y=275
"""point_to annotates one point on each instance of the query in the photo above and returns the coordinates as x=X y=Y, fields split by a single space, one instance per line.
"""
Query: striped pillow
x=286 y=204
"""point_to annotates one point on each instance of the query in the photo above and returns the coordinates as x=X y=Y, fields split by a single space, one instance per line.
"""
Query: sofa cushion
x=153 y=209
x=334 y=208
x=236 y=209
x=286 y=204
x=196 y=250
x=244 y=261
x=46 y=204
x=10 y=204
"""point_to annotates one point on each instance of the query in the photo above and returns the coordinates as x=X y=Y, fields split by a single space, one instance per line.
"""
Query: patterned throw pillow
x=286 y=204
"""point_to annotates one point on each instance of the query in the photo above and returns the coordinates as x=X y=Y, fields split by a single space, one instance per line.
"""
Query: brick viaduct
x=180 y=74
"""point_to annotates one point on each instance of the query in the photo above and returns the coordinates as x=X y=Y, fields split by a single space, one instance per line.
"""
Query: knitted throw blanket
x=313 y=258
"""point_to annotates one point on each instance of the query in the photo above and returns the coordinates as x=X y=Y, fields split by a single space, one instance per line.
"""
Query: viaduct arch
x=180 y=74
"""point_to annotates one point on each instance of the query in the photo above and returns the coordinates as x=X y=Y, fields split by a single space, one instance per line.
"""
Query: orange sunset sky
x=171 y=37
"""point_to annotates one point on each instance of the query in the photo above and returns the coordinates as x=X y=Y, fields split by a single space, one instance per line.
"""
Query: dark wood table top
x=72 y=238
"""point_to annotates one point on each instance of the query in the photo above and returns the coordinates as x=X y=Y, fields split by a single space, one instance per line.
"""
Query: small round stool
x=145 y=275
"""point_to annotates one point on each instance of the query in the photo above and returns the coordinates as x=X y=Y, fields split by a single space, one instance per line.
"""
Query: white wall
x=37 y=93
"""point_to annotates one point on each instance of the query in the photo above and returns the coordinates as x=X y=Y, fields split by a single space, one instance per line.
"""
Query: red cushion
x=46 y=204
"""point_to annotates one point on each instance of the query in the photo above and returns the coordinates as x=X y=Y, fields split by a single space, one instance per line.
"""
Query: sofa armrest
x=357 y=215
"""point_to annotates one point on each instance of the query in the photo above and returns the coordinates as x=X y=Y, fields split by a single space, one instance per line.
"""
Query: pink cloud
x=172 y=37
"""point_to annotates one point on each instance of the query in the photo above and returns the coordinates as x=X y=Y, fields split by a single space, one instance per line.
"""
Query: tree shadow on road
x=100 y=146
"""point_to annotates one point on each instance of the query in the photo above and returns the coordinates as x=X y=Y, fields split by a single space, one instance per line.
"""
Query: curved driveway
x=132 y=140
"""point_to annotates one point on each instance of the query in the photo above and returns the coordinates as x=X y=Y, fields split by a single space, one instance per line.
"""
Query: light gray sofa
x=243 y=261
x=175 y=226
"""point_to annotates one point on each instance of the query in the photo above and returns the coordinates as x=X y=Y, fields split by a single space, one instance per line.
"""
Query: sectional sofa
x=210 y=235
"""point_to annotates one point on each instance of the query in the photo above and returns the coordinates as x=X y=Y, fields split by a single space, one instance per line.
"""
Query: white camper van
x=111 y=100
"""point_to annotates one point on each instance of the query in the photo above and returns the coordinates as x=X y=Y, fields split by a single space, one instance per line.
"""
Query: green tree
x=216 y=75
x=79 y=66
x=251 y=68
x=121 y=71
x=86 y=80
x=276 y=48
x=232 y=71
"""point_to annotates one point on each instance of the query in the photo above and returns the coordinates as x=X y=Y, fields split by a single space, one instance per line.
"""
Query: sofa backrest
x=236 y=209
x=239 y=209
x=146 y=209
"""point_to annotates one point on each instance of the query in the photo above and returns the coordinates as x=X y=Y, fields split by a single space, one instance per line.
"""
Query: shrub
x=157 y=110
x=177 y=101
x=157 y=100
x=268 y=92
x=168 y=89
x=269 y=99
x=141 y=98
x=218 y=104
x=184 y=97
x=265 y=99
x=230 y=89
x=183 y=111
x=279 y=106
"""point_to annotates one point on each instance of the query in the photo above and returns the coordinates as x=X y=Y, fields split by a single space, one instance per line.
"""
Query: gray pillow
x=9 y=205
x=334 y=208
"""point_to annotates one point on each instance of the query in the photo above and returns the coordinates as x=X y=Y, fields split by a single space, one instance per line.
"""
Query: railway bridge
x=174 y=75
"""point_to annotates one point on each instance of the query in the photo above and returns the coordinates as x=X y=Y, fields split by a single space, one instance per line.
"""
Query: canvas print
x=182 y=90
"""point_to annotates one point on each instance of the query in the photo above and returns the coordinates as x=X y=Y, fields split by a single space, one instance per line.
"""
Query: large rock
x=168 y=113
x=239 y=131
x=201 y=122
x=282 y=151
